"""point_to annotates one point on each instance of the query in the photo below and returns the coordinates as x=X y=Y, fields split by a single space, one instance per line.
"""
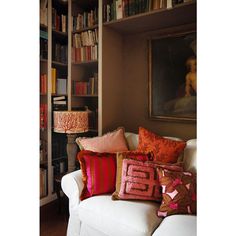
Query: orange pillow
x=164 y=150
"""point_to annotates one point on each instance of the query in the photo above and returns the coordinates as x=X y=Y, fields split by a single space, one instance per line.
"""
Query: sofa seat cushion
x=178 y=225
x=130 y=218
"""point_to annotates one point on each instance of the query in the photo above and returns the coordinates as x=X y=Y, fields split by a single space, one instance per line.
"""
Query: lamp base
x=71 y=149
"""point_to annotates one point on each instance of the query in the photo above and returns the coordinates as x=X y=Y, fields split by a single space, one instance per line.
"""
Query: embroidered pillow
x=119 y=159
x=111 y=142
x=139 y=181
x=178 y=192
x=99 y=173
x=164 y=150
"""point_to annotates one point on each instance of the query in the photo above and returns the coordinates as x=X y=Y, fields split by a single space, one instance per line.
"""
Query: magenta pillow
x=99 y=173
x=111 y=142
x=139 y=181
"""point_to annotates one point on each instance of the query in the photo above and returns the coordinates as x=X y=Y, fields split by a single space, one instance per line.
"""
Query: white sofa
x=101 y=216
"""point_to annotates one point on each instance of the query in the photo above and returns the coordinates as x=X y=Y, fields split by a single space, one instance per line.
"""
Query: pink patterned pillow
x=99 y=173
x=139 y=181
x=111 y=142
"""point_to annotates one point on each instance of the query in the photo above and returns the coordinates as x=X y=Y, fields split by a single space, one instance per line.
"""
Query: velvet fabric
x=164 y=150
x=99 y=173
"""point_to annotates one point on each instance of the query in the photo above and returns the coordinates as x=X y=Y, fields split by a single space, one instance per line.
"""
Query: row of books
x=43 y=116
x=84 y=54
x=59 y=100
x=43 y=182
x=59 y=22
x=58 y=85
x=60 y=53
x=84 y=20
x=86 y=38
x=85 y=88
x=59 y=167
x=118 y=9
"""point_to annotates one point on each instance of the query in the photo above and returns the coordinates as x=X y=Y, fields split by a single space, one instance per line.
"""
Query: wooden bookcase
x=54 y=158
x=83 y=59
x=121 y=67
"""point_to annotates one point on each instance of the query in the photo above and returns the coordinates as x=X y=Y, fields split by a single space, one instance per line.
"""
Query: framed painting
x=173 y=77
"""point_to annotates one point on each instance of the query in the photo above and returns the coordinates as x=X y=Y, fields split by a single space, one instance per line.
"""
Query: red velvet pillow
x=99 y=173
x=164 y=150
x=178 y=192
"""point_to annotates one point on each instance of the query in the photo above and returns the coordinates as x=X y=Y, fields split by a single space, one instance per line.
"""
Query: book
x=59 y=102
x=53 y=84
x=59 y=98
x=61 y=86
x=169 y=4
x=119 y=9
x=43 y=84
x=43 y=182
x=156 y=4
x=43 y=116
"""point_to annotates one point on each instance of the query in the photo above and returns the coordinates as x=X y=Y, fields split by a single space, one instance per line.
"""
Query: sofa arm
x=72 y=186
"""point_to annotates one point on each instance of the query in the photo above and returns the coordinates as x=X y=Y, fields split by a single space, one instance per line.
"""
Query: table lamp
x=71 y=123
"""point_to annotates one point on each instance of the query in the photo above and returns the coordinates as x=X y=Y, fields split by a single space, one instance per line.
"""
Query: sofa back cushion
x=190 y=156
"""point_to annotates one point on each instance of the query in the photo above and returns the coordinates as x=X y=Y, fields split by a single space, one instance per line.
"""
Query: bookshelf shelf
x=88 y=95
x=57 y=63
x=85 y=29
x=59 y=33
x=85 y=62
x=181 y=14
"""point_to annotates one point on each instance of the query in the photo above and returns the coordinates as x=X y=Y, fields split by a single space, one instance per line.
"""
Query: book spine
x=53 y=85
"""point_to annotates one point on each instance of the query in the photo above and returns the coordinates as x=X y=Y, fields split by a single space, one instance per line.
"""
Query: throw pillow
x=178 y=192
x=139 y=179
x=119 y=159
x=164 y=150
x=99 y=173
x=111 y=142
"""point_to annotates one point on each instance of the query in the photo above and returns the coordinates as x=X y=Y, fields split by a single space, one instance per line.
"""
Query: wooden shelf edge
x=85 y=62
x=152 y=12
x=88 y=95
x=64 y=34
x=181 y=14
x=58 y=63
x=85 y=29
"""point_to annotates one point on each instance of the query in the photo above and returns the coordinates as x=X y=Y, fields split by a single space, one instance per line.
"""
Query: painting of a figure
x=173 y=77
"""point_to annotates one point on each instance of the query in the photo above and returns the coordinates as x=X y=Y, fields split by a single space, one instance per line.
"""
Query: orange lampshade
x=70 y=121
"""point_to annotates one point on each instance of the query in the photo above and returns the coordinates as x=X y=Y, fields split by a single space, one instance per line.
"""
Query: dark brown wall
x=135 y=92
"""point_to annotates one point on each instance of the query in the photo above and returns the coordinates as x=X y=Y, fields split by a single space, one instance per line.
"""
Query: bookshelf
x=53 y=85
x=180 y=14
x=83 y=60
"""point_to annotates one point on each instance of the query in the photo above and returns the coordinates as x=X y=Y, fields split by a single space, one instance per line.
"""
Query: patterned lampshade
x=70 y=122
